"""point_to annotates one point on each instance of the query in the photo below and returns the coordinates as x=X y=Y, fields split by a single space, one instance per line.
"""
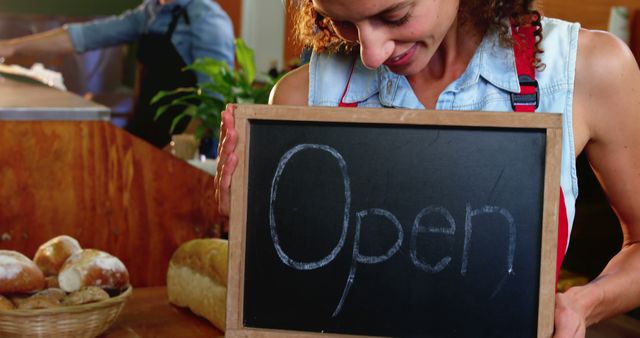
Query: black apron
x=160 y=67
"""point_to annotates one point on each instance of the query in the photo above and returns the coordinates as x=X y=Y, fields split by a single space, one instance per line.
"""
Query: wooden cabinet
x=92 y=180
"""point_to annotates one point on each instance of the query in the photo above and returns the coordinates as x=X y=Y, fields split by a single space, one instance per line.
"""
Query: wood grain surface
x=103 y=186
x=148 y=314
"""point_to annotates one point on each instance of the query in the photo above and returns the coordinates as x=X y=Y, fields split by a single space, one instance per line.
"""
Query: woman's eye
x=397 y=22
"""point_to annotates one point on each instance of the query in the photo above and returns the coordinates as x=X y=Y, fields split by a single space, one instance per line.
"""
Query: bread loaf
x=18 y=273
x=52 y=254
x=197 y=278
x=90 y=267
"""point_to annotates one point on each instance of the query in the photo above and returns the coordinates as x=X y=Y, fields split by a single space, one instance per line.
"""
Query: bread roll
x=18 y=273
x=55 y=293
x=38 y=302
x=51 y=282
x=18 y=298
x=90 y=267
x=197 y=278
x=51 y=255
x=5 y=304
x=89 y=294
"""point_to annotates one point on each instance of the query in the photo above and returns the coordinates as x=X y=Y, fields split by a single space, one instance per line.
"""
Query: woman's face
x=401 y=34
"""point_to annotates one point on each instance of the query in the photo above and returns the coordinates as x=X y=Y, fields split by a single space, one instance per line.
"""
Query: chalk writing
x=274 y=192
x=417 y=229
x=359 y=258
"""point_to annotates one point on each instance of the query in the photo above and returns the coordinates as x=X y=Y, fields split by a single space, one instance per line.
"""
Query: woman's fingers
x=568 y=322
x=226 y=123
x=225 y=185
x=227 y=161
x=226 y=166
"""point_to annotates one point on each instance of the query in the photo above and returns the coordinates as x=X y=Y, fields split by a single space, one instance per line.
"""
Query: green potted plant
x=204 y=102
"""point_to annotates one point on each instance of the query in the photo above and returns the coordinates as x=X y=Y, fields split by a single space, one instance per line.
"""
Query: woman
x=461 y=54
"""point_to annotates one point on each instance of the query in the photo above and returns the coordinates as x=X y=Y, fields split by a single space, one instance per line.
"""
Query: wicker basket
x=77 y=321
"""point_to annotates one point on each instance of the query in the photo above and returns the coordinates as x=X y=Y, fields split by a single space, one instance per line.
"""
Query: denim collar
x=182 y=3
x=155 y=5
x=492 y=62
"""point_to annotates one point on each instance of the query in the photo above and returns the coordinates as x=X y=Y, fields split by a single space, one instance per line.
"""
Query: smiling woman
x=326 y=33
x=486 y=56
x=435 y=38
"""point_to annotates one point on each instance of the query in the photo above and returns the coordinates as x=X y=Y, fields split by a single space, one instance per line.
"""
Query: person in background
x=491 y=56
x=273 y=69
x=170 y=35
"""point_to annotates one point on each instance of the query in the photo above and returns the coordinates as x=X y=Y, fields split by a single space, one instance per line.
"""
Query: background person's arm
x=79 y=37
x=49 y=42
x=108 y=32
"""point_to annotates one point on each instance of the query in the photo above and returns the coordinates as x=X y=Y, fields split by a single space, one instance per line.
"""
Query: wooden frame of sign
x=241 y=324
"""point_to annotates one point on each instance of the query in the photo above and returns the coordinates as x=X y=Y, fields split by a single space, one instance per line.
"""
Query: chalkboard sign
x=382 y=222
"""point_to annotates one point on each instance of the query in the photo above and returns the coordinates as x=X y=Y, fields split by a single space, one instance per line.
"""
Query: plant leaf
x=161 y=111
x=207 y=100
x=175 y=122
x=244 y=56
x=168 y=93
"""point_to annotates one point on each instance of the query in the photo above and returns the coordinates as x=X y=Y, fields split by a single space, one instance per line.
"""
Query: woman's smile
x=403 y=58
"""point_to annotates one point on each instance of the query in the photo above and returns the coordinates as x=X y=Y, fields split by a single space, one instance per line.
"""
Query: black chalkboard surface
x=399 y=229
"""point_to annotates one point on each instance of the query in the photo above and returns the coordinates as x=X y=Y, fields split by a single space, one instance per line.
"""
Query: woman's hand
x=569 y=320
x=227 y=161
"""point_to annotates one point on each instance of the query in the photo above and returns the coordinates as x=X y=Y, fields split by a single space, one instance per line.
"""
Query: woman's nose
x=375 y=46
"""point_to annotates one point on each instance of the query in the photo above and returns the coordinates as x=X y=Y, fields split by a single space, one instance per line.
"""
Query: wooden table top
x=148 y=314
x=21 y=100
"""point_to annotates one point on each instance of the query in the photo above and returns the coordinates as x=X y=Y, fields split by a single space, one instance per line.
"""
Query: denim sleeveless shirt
x=485 y=85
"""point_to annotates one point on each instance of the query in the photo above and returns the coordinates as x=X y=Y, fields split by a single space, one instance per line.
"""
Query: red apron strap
x=527 y=101
x=563 y=233
x=342 y=103
x=524 y=41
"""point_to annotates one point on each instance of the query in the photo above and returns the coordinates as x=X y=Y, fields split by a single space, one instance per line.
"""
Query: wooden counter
x=149 y=314
x=27 y=100
x=103 y=186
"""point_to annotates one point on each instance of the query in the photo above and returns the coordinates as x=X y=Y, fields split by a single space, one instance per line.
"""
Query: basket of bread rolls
x=64 y=291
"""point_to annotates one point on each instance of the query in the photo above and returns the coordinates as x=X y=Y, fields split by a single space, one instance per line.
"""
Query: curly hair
x=315 y=31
